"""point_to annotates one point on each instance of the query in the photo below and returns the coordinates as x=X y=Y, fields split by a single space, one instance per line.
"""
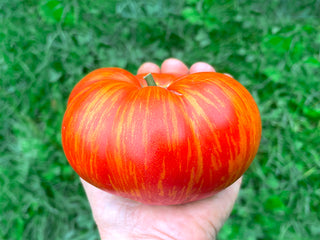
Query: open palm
x=120 y=218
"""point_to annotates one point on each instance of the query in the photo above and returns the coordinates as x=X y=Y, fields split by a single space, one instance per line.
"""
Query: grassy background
x=271 y=47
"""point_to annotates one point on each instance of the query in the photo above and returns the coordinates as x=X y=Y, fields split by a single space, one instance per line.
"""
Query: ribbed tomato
x=183 y=140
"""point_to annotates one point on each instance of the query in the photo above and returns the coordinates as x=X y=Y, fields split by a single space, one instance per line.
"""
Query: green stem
x=150 y=81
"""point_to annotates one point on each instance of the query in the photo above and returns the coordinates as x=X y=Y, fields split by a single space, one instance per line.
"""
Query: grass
x=271 y=47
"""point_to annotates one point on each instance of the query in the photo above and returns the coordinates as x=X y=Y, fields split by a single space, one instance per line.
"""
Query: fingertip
x=148 y=67
x=238 y=182
x=173 y=65
x=201 y=67
x=229 y=75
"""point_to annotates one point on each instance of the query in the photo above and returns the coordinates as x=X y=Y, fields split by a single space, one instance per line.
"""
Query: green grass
x=271 y=47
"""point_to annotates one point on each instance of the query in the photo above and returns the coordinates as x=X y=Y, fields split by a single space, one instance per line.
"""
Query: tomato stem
x=149 y=79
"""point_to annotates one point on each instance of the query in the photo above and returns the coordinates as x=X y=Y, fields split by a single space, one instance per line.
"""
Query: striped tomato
x=180 y=141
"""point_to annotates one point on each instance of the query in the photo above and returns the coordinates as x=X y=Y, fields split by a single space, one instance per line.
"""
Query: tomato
x=183 y=140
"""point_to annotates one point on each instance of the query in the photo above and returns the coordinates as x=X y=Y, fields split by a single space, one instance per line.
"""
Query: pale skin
x=118 y=218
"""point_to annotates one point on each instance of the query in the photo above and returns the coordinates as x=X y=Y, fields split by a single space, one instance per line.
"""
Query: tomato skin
x=183 y=140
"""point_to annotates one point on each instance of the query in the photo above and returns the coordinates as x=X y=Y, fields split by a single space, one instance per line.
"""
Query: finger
x=227 y=74
x=222 y=204
x=201 y=67
x=173 y=65
x=148 y=67
x=216 y=209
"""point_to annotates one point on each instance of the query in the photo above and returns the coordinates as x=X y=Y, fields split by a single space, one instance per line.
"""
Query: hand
x=123 y=219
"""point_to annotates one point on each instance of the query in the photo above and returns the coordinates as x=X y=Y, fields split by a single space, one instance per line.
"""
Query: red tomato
x=183 y=140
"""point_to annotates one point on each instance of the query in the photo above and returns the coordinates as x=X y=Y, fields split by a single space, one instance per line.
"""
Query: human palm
x=121 y=218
